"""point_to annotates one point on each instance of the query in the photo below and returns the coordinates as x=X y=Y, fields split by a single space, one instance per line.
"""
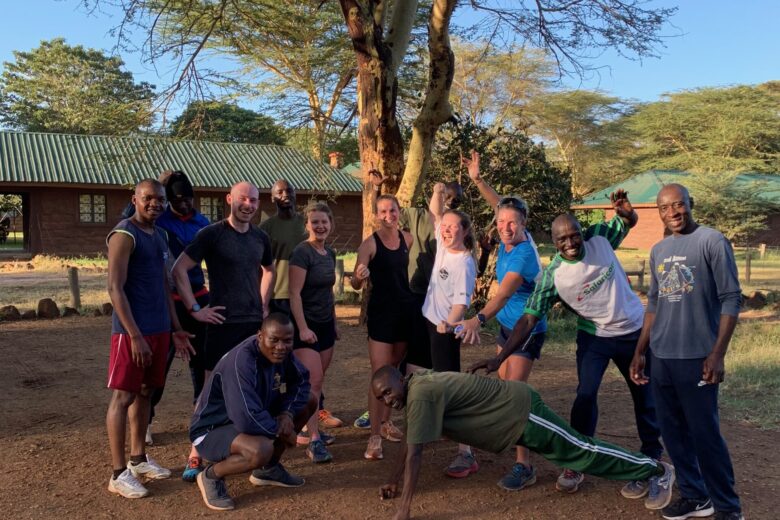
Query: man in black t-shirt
x=241 y=275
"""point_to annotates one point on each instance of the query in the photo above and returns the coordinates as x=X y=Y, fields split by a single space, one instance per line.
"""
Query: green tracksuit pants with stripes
x=555 y=440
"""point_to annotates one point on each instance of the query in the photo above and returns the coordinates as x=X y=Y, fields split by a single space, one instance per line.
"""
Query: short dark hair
x=278 y=318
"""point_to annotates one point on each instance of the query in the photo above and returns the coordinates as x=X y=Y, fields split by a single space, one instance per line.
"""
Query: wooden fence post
x=761 y=251
x=339 y=289
x=73 y=282
x=747 y=265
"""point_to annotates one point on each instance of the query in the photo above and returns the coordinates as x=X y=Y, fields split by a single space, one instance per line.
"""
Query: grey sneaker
x=149 y=470
x=519 y=477
x=659 y=492
x=569 y=481
x=276 y=475
x=318 y=453
x=463 y=465
x=635 y=489
x=127 y=486
x=214 y=492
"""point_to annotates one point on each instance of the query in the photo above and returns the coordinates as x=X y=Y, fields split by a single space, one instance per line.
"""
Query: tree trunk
x=379 y=137
x=436 y=109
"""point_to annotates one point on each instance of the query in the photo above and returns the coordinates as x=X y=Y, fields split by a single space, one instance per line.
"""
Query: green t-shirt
x=285 y=235
x=480 y=411
x=422 y=253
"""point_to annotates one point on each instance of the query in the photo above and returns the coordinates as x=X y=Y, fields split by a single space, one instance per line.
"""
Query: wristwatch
x=481 y=318
x=195 y=308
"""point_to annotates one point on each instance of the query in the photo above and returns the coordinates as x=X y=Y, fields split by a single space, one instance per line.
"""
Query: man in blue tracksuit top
x=692 y=309
x=253 y=404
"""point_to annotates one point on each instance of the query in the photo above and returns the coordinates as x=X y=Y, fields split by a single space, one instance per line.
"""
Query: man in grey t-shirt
x=692 y=310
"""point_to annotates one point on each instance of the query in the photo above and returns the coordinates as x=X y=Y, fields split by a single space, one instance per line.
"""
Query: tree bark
x=436 y=109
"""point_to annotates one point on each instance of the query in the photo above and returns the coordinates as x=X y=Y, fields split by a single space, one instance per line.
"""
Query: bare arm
x=487 y=192
x=436 y=204
x=713 y=370
x=297 y=276
x=181 y=338
x=623 y=207
x=267 y=275
x=411 y=473
x=637 y=368
x=508 y=286
x=366 y=252
x=207 y=314
x=120 y=246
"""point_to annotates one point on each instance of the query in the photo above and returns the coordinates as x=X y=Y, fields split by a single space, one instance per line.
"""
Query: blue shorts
x=532 y=348
x=215 y=446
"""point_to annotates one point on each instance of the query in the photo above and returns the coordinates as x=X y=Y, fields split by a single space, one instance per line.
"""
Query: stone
x=107 y=309
x=48 y=309
x=29 y=314
x=756 y=300
x=70 y=311
x=9 y=313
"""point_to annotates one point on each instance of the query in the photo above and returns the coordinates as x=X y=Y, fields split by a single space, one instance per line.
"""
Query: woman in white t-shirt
x=449 y=290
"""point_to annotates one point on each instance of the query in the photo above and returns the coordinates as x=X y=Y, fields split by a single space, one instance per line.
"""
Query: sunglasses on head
x=514 y=203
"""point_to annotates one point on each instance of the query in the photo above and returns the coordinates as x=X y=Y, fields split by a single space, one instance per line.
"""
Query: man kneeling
x=253 y=404
x=495 y=415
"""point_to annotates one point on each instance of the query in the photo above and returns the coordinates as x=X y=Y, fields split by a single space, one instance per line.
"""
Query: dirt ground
x=55 y=460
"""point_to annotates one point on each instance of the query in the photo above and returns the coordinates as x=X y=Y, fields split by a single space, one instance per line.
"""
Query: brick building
x=74 y=187
x=643 y=189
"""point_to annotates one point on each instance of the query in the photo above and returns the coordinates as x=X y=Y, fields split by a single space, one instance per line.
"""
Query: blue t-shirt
x=146 y=279
x=524 y=260
x=181 y=231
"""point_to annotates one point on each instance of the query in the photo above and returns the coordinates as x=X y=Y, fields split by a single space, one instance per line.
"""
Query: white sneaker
x=149 y=441
x=149 y=470
x=127 y=486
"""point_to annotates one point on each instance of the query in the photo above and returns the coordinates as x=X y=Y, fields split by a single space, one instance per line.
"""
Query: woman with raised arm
x=383 y=258
x=517 y=268
x=449 y=295
x=312 y=273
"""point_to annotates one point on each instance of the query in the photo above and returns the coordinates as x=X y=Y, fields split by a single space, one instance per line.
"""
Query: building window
x=212 y=208
x=92 y=208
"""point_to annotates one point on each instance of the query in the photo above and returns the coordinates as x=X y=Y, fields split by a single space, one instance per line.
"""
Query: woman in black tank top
x=384 y=257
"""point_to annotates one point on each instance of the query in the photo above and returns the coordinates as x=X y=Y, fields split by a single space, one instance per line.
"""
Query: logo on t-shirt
x=675 y=278
x=443 y=273
x=591 y=287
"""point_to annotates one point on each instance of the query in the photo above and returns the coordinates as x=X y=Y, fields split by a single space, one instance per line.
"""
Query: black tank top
x=389 y=276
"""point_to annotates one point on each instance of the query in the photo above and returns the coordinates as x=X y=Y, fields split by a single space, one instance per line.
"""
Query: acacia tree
x=227 y=123
x=69 y=89
x=380 y=30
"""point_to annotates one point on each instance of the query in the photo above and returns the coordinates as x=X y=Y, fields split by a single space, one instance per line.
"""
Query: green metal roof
x=644 y=187
x=27 y=157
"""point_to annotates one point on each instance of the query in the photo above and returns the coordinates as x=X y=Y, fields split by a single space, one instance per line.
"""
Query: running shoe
x=191 y=470
x=659 y=492
x=684 y=508
x=463 y=465
x=569 y=481
x=127 y=486
x=328 y=420
x=519 y=477
x=318 y=453
x=635 y=489
x=215 y=493
x=149 y=470
x=374 y=449
x=303 y=438
x=391 y=432
x=363 y=422
x=275 y=475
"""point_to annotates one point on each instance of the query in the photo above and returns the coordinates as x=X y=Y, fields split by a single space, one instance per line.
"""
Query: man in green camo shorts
x=495 y=415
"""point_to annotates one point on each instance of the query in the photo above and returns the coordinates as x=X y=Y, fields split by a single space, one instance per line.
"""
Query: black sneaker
x=731 y=515
x=276 y=475
x=684 y=508
x=214 y=492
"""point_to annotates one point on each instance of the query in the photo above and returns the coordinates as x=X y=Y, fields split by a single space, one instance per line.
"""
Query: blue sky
x=722 y=42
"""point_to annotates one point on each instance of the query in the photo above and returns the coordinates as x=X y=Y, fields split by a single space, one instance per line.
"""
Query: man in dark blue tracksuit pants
x=253 y=404
x=692 y=309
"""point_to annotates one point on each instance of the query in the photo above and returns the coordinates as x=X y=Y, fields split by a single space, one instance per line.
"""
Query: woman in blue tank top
x=384 y=258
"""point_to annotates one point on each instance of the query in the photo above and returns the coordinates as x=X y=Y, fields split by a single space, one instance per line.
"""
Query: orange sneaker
x=391 y=432
x=329 y=420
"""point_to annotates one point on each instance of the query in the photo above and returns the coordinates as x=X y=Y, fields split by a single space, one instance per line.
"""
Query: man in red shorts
x=144 y=316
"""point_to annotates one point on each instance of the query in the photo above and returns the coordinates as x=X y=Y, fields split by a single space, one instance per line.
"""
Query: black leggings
x=445 y=350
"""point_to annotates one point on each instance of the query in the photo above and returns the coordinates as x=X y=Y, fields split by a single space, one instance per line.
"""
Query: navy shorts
x=221 y=338
x=532 y=348
x=215 y=446
x=326 y=336
x=391 y=326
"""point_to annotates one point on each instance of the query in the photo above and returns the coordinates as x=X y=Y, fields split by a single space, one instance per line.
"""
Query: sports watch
x=195 y=308
x=481 y=318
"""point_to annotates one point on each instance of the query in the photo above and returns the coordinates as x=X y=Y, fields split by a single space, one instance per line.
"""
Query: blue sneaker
x=363 y=422
x=303 y=438
x=318 y=453
x=194 y=466
x=519 y=477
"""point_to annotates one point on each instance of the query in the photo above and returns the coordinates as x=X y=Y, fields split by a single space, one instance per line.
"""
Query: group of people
x=260 y=340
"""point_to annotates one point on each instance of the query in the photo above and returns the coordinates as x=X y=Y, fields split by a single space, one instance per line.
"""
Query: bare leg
x=116 y=424
x=517 y=368
x=380 y=354
x=138 y=415
x=312 y=360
